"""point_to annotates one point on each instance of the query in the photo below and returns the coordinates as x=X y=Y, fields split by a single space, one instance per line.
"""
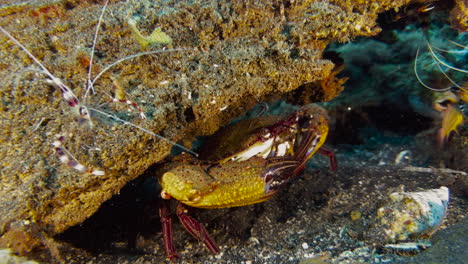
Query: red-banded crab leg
x=166 y=223
x=195 y=228
x=331 y=157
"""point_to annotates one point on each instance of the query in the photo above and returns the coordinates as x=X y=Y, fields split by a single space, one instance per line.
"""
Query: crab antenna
x=90 y=84
x=144 y=130
x=131 y=57
x=419 y=79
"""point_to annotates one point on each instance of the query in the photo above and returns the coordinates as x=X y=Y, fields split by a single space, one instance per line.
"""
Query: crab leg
x=331 y=156
x=166 y=222
x=196 y=229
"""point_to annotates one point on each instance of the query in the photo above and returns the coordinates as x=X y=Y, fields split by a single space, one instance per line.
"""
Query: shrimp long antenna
x=131 y=57
x=453 y=51
x=96 y=33
x=457 y=44
x=56 y=80
x=144 y=130
x=434 y=55
x=419 y=78
x=447 y=77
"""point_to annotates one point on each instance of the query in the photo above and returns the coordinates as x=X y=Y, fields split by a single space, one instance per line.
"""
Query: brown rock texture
x=459 y=16
x=233 y=55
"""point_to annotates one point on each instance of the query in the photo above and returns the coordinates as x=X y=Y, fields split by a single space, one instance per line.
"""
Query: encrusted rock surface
x=235 y=54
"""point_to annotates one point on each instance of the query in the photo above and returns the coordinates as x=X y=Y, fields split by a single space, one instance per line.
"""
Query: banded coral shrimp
x=80 y=107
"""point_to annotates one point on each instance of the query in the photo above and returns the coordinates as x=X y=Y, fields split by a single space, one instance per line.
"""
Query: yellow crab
x=251 y=162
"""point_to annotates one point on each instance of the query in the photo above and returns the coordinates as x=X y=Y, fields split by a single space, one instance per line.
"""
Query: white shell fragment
x=402 y=156
x=409 y=215
x=410 y=246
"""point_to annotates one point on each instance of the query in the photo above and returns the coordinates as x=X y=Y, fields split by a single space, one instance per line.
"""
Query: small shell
x=409 y=215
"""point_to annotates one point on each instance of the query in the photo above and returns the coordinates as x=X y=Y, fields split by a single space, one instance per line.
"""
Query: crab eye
x=304 y=121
